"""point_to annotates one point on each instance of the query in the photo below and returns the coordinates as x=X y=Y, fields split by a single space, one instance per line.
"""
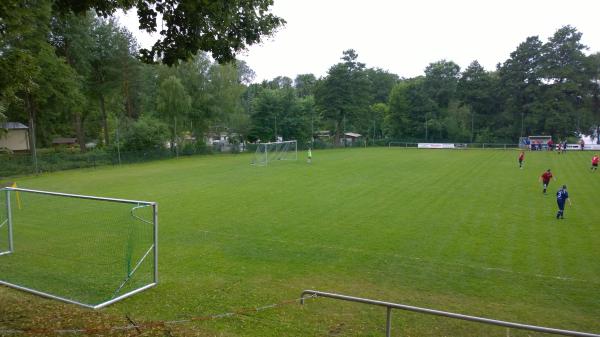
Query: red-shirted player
x=545 y=178
x=594 y=163
x=521 y=158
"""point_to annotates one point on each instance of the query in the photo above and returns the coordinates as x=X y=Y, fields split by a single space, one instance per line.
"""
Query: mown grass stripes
x=463 y=230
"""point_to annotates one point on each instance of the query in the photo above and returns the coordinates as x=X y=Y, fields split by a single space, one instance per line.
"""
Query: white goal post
x=80 y=249
x=269 y=152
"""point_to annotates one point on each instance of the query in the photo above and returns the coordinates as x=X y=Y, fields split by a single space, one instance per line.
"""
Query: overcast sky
x=403 y=37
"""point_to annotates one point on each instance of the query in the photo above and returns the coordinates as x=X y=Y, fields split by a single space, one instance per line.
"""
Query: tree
x=344 y=95
x=144 y=134
x=105 y=74
x=593 y=71
x=441 y=79
x=34 y=78
x=411 y=111
x=563 y=69
x=279 y=82
x=563 y=59
x=278 y=112
x=397 y=115
x=377 y=114
x=305 y=85
x=521 y=86
x=220 y=27
x=173 y=102
x=72 y=39
x=266 y=106
x=382 y=83
x=2 y=117
x=476 y=89
x=225 y=90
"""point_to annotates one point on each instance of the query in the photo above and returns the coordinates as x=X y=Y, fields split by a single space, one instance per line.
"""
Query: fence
x=502 y=146
x=57 y=160
x=49 y=161
x=389 y=306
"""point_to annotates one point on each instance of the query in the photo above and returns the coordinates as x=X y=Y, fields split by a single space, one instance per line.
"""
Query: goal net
x=85 y=250
x=269 y=152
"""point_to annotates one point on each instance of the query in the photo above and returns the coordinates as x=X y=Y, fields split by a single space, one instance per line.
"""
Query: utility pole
x=344 y=124
x=472 y=125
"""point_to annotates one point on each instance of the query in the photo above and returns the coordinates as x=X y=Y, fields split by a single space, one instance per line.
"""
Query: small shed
x=16 y=138
x=62 y=141
x=322 y=134
x=351 y=137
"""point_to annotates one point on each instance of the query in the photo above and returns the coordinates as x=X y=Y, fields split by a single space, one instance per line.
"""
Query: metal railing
x=482 y=320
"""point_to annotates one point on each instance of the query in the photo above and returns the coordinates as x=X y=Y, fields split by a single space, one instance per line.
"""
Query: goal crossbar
x=152 y=249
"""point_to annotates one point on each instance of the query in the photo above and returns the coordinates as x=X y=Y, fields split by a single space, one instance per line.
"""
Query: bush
x=192 y=148
x=146 y=133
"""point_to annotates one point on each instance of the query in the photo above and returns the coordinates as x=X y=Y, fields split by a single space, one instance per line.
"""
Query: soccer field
x=457 y=230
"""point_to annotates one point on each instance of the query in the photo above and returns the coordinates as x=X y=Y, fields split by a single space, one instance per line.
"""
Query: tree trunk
x=104 y=120
x=175 y=140
x=79 y=130
x=31 y=114
x=126 y=91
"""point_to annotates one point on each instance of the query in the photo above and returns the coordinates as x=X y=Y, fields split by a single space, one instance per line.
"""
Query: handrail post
x=388 y=326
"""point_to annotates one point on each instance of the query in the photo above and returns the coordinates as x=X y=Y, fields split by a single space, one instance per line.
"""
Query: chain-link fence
x=48 y=160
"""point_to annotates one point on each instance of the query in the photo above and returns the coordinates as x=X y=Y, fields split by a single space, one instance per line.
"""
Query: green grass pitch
x=457 y=230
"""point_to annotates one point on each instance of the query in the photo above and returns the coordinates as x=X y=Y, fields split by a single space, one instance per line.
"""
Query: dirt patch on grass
x=22 y=314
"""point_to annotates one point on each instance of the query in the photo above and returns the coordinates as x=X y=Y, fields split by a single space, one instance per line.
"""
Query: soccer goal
x=86 y=250
x=269 y=152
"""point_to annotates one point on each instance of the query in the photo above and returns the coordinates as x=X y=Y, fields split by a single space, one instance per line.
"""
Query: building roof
x=13 y=126
x=352 y=134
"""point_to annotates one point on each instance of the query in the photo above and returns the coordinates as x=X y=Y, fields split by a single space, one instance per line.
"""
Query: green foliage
x=441 y=79
x=145 y=134
x=75 y=74
x=382 y=83
x=173 y=103
x=2 y=112
x=344 y=95
x=305 y=85
x=172 y=100
x=221 y=27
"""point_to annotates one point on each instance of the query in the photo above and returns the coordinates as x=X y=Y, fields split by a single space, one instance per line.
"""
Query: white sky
x=404 y=36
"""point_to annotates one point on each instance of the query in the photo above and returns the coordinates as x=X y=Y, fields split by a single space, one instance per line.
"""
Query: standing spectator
x=550 y=145
x=545 y=179
x=582 y=144
x=564 y=146
x=561 y=197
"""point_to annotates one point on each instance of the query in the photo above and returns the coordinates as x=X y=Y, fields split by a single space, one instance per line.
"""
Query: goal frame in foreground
x=291 y=145
x=152 y=249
